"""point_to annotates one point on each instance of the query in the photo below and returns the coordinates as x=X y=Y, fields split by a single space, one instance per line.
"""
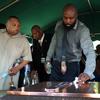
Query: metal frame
x=10 y=4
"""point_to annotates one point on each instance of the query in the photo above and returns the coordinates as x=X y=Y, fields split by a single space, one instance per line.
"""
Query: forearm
x=22 y=64
x=15 y=69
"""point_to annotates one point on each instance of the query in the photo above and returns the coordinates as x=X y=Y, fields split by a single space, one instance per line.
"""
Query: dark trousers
x=42 y=75
x=97 y=77
x=73 y=70
x=21 y=77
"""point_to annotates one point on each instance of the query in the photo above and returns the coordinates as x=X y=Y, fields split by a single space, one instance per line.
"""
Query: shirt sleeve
x=51 y=47
x=26 y=51
x=87 y=46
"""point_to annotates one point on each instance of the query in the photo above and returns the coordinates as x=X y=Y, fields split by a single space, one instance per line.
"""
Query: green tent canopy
x=46 y=12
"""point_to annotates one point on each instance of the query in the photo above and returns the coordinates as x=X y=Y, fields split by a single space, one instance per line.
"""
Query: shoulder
x=23 y=37
x=82 y=26
x=48 y=36
x=83 y=30
x=59 y=25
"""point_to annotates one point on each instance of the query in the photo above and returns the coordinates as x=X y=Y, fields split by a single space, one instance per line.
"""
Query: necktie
x=64 y=43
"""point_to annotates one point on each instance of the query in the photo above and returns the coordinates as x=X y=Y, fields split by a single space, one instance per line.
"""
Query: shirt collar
x=14 y=36
x=41 y=40
x=76 y=25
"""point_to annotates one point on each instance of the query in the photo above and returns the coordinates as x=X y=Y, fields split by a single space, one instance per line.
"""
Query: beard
x=68 y=27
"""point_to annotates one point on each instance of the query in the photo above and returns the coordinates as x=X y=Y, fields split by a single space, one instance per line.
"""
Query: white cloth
x=41 y=40
x=12 y=48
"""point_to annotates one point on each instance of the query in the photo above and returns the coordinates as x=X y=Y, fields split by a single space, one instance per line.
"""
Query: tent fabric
x=46 y=12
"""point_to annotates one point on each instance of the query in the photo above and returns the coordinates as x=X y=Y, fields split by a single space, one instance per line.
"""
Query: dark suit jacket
x=37 y=53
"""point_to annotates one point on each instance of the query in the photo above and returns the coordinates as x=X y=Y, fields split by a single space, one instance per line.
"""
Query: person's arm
x=51 y=48
x=27 y=57
x=15 y=69
x=87 y=46
x=50 y=55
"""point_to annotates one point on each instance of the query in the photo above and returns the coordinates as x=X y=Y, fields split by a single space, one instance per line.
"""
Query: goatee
x=68 y=27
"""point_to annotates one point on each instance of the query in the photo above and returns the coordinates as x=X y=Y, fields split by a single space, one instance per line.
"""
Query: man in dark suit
x=97 y=69
x=39 y=48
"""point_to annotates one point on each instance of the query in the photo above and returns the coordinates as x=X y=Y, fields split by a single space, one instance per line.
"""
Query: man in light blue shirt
x=70 y=38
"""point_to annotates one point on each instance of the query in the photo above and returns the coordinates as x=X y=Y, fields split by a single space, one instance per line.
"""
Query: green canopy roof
x=46 y=12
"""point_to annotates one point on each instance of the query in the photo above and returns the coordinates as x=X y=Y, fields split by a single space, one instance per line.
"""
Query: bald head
x=69 y=14
x=70 y=7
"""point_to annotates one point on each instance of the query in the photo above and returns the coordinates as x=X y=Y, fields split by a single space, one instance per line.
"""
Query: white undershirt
x=41 y=40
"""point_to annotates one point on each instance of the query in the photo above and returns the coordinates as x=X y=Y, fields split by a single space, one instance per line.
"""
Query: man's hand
x=33 y=74
x=63 y=67
x=48 y=67
x=13 y=71
x=83 y=77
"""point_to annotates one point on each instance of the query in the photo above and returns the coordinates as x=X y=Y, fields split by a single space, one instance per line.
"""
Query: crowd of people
x=61 y=54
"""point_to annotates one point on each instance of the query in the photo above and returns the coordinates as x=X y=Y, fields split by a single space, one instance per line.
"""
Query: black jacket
x=37 y=53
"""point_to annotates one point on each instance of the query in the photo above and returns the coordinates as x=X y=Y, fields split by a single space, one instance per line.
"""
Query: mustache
x=68 y=26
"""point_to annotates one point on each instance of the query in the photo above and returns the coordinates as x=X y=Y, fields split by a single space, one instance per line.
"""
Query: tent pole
x=10 y=4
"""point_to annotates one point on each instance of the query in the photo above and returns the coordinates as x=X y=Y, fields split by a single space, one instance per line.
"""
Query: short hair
x=98 y=46
x=15 y=17
x=35 y=26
